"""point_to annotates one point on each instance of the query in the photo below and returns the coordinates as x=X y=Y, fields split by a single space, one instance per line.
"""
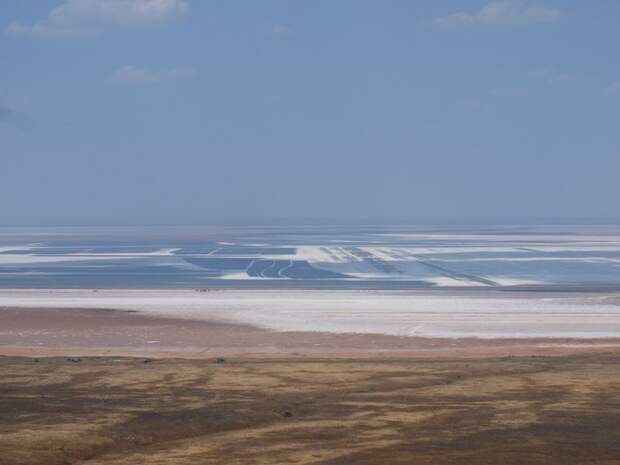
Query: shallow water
x=306 y=256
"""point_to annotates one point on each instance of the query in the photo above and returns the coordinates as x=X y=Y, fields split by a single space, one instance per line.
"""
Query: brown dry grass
x=531 y=410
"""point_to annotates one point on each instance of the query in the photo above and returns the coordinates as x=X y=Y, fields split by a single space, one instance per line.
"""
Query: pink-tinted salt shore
x=58 y=331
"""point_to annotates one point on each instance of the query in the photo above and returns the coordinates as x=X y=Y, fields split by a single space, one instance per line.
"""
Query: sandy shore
x=398 y=313
x=190 y=323
x=57 y=331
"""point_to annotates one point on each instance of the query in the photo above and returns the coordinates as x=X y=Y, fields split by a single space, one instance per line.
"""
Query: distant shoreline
x=342 y=285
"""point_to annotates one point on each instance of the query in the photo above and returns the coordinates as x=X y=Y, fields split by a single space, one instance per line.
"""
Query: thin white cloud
x=6 y=113
x=511 y=91
x=88 y=17
x=613 y=88
x=281 y=30
x=552 y=75
x=498 y=14
x=13 y=115
x=132 y=74
x=136 y=74
x=471 y=103
x=176 y=73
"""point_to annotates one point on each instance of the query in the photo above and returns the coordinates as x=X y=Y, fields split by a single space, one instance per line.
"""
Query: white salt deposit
x=400 y=313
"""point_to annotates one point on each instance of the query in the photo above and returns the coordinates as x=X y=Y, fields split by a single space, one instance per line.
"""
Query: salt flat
x=414 y=313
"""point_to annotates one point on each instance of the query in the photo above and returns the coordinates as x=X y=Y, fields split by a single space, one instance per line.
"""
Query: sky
x=203 y=111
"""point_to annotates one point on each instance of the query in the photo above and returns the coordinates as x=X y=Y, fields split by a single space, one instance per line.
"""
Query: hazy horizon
x=610 y=221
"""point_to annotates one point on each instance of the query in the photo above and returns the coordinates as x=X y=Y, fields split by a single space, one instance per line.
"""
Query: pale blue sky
x=198 y=111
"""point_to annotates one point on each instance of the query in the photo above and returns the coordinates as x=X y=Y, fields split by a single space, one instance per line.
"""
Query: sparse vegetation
x=518 y=410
